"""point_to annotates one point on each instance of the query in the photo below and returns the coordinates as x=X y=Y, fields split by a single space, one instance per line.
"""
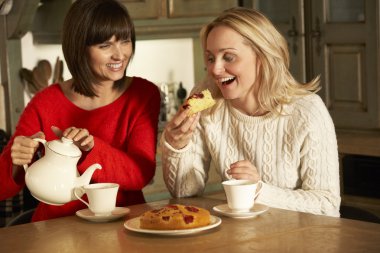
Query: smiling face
x=232 y=63
x=109 y=60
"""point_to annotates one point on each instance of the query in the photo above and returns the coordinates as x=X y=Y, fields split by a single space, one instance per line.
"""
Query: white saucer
x=116 y=214
x=134 y=225
x=256 y=210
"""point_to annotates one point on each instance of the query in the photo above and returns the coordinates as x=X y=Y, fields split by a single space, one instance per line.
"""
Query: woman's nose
x=217 y=68
x=117 y=53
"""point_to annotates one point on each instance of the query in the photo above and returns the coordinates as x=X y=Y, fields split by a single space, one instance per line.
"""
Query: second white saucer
x=116 y=214
x=256 y=210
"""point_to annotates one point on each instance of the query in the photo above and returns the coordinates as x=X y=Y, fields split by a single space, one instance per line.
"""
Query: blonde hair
x=277 y=86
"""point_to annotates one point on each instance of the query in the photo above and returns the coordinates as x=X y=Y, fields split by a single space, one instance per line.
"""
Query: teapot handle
x=39 y=140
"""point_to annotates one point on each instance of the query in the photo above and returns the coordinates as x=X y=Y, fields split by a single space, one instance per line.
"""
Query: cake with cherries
x=199 y=102
x=174 y=217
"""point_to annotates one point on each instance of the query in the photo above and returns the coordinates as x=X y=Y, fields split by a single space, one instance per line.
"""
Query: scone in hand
x=199 y=102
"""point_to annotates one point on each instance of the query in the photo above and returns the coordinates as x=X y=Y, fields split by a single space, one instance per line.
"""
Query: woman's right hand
x=81 y=137
x=180 y=128
x=23 y=148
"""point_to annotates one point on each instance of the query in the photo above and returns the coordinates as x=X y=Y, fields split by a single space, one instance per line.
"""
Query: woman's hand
x=23 y=148
x=244 y=169
x=179 y=130
x=81 y=136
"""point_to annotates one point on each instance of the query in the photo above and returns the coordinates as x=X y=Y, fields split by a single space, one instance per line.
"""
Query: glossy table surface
x=276 y=230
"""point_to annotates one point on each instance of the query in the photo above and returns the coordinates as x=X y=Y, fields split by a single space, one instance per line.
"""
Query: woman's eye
x=228 y=57
x=103 y=45
x=210 y=59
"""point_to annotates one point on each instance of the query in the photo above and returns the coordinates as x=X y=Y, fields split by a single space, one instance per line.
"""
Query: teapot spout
x=85 y=178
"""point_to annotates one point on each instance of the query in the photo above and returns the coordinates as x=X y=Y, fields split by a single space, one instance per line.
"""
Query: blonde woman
x=265 y=126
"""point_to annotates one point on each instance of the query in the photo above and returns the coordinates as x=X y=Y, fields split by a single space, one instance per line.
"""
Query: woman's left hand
x=81 y=136
x=244 y=169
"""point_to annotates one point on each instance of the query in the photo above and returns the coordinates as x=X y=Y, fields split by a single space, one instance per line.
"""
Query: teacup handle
x=26 y=166
x=260 y=187
x=82 y=191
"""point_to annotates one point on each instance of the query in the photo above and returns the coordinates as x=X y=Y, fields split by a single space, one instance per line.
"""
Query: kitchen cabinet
x=162 y=19
x=198 y=8
x=336 y=39
x=156 y=9
x=346 y=54
x=154 y=19
x=144 y=9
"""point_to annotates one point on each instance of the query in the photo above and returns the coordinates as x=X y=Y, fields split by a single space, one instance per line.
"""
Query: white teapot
x=53 y=178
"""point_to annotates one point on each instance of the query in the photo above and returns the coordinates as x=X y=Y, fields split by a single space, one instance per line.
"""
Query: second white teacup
x=241 y=194
x=101 y=197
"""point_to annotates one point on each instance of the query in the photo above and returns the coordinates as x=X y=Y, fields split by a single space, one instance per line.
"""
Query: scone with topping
x=173 y=217
x=199 y=102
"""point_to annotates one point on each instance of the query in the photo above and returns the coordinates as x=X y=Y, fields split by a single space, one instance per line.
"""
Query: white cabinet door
x=344 y=50
x=338 y=40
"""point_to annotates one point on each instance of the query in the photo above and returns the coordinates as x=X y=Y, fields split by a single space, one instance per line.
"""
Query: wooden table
x=274 y=231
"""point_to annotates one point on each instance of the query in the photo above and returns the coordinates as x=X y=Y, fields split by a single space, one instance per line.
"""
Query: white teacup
x=241 y=194
x=101 y=197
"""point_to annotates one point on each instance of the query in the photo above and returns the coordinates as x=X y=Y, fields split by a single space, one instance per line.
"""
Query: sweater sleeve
x=133 y=166
x=186 y=170
x=318 y=167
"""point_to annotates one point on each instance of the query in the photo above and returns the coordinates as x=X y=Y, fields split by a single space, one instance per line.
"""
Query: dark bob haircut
x=90 y=22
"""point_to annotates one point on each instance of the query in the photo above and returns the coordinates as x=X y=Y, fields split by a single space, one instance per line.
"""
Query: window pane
x=276 y=11
x=346 y=11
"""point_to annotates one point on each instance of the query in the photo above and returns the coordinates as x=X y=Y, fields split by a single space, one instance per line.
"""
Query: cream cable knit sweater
x=296 y=155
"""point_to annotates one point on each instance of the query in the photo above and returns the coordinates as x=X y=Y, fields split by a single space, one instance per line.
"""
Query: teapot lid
x=65 y=147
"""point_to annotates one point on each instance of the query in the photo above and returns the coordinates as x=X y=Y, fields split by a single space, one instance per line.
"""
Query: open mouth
x=114 y=66
x=227 y=80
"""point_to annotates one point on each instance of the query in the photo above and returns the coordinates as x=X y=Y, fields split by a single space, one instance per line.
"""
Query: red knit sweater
x=125 y=134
